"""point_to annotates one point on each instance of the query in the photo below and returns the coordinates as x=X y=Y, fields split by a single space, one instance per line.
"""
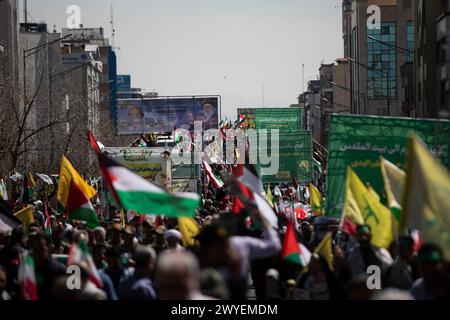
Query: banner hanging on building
x=286 y=119
x=359 y=141
x=294 y=157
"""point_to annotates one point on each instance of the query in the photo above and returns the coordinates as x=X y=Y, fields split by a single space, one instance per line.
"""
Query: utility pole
x=263 y=96
x=25 y=10
x=303 y=79
x=113 y=30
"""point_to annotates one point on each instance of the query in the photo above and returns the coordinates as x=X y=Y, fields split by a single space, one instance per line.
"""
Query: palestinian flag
x=238 y=206
x=27 y=278
x=245 y=195
x=93 y=142
x=79 y=255
x=80 y=208
x=215 y=180
x=135 y=193
x=247 y=174
x=240 y=121
x=291 y=250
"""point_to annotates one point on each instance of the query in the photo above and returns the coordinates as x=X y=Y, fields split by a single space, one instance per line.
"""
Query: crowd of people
x=234 y=256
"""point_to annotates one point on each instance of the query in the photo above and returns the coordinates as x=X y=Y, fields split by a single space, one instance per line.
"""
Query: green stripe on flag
x=293 y=257
x=87 y=215
x=158 y=203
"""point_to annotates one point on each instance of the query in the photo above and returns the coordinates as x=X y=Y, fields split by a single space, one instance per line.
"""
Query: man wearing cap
x=115 y=239
x=434 y=283
x=365 y=254
x=129 y=240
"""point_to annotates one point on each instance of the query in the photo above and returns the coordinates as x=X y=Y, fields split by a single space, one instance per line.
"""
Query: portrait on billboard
x=138 y=116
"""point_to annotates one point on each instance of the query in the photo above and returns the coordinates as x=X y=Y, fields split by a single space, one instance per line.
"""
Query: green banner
x=289 y=119
x=359 y=141
x=294 y=157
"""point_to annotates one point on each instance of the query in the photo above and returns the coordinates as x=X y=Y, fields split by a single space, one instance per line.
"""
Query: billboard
x=149 y=163
x=164 y=114
x=294 y=157
x=359 y=141
x=287 y=119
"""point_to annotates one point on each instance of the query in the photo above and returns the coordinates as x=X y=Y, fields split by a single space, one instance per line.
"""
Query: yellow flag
x=30 y=179
x=188 y=229
x=26 y=216
x=315 y=199
x=435 y=232
x=351 y=210
x=269 y=195
x=377 y=216
x=373 y=192
x=426 y=204
x=122 y=218
x=325 y=249
x=68 y=173
x=394 y=181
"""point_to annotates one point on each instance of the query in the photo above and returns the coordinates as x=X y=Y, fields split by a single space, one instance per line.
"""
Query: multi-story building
x=312 y=108
x=330 y=94
x=9 y=30
x=94 y=40
x=377 y=50
x=432 y=64
x=83 y=72
x=40 y=98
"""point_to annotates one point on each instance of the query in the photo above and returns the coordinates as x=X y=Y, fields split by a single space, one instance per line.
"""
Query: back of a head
x=178 y=275
x=143 y=256
x=173 y=262
x=392 y=294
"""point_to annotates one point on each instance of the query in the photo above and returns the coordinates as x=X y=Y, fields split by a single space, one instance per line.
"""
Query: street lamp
x=382 y=73
x=337 y=104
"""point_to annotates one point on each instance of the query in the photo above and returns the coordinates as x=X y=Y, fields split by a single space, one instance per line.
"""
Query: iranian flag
x=79 y=255
x=27 y=278
x=80 y=208
x=135 y=193
x=292 y=250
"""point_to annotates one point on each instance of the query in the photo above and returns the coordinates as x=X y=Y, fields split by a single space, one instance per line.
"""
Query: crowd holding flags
x=412 y=209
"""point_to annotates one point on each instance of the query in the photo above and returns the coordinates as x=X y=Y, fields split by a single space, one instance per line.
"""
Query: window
x=410 y=39
x=382 y=62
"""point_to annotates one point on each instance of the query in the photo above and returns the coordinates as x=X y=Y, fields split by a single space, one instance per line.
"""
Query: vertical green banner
x=359 y=141
x=294 y=156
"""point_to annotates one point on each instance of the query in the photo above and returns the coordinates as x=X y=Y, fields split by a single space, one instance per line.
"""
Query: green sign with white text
x=294 y=157
x=359 y=141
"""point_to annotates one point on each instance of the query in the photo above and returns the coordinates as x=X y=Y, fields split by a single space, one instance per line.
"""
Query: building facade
x=376 y=50
x=94 y=40
x=432 y=64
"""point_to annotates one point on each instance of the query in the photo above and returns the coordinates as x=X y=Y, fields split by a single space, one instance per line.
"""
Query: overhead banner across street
x=359 y=141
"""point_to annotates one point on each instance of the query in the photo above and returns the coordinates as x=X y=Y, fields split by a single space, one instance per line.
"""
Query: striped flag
x=135 y=193
x=215 y=180
x=79 y=255
x=27 y=278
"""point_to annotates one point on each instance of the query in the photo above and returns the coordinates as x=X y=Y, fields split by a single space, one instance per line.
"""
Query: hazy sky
x=229 y=47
